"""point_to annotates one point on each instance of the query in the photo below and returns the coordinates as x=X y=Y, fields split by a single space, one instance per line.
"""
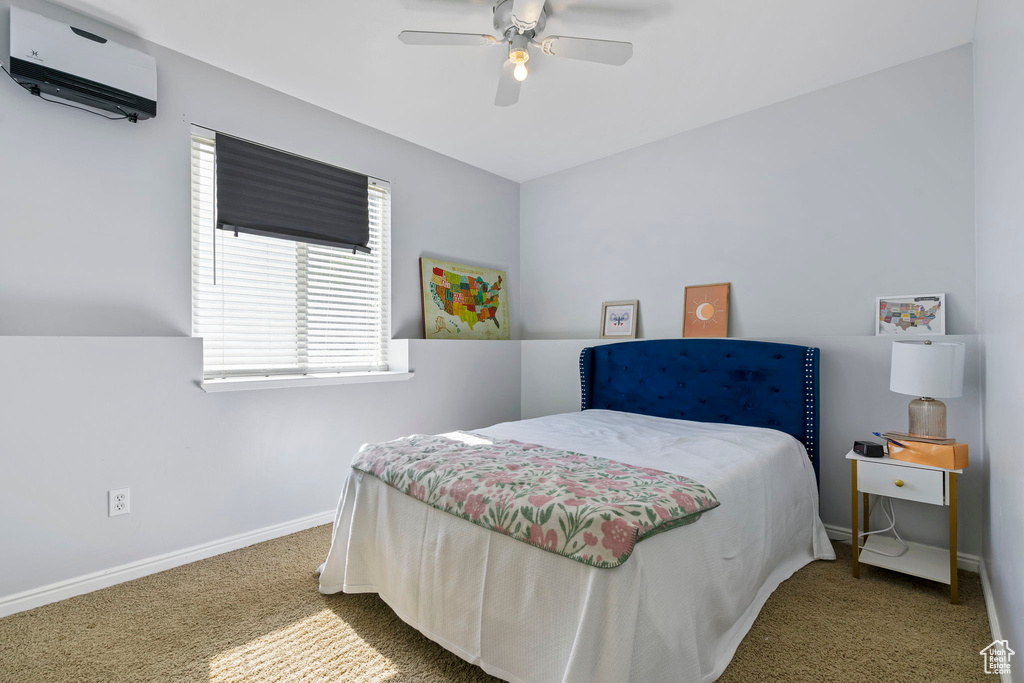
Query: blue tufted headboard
x=758 y=384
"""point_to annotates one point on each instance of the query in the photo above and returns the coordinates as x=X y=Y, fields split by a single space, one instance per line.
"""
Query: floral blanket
x=589 y=509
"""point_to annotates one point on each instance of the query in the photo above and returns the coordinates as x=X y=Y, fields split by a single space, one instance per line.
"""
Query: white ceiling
x=695 y=62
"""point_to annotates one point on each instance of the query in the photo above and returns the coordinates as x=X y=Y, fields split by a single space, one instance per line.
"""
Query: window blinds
x=270 y=306
x=264 y=191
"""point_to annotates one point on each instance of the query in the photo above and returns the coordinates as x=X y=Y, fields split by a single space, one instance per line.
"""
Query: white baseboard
x=61 y=590
x=990 y=607
x=964 y=561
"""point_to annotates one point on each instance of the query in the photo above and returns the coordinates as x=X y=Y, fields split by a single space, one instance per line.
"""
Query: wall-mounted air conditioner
x=58 y=60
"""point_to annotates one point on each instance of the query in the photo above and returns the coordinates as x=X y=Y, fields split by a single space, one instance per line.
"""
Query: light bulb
x=521 y=72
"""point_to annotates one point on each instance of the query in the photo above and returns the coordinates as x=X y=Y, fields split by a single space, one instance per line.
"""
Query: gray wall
x=95 y=214
x=810 y=208
x=95 y=240
x=1000 y=214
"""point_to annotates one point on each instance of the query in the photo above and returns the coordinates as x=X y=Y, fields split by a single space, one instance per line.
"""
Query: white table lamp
x=928 y=370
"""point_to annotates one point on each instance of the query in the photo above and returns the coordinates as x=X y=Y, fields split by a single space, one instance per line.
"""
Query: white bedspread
x=675 y=611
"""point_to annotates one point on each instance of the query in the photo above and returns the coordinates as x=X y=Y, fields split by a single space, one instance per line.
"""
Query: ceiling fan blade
x=508 y=87
x=589 y=50
x=527 y=12
x=439 y=38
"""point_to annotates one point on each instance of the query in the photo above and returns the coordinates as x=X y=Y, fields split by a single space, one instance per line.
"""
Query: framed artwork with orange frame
x=706 y=311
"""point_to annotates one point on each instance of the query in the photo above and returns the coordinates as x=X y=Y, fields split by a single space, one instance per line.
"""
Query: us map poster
x=463 y=302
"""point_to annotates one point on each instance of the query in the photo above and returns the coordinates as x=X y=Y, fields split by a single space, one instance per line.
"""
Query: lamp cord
x=890 y=514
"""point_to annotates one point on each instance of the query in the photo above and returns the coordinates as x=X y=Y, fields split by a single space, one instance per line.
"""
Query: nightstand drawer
x=925 y=486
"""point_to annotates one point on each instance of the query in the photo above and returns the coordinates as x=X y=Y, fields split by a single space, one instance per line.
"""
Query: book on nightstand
x=904 y=436
x=951 y=456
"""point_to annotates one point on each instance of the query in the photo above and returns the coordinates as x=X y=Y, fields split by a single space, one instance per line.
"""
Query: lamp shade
x=927 y=368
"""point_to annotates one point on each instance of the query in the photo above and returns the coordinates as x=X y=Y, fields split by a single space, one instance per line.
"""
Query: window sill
x=211 y=386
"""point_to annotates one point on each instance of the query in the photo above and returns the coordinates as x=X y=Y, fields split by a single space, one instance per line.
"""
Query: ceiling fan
x=520 y=22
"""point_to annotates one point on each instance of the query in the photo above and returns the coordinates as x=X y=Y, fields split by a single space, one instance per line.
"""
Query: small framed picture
x=618 y=319
x=911 y=315
x=706 y=311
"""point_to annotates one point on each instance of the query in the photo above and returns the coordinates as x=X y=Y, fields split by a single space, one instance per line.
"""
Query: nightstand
x=905 y=481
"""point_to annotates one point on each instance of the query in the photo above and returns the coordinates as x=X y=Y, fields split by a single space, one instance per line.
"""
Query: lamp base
x=927 y=417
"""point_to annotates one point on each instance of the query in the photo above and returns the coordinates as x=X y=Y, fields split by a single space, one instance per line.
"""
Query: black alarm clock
x=871 y=449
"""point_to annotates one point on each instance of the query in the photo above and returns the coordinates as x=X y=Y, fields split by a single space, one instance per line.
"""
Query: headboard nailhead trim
x=809 y=403
x=583 y=383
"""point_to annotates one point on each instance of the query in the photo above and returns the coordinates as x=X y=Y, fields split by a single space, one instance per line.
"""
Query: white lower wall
x=855 y=401
x=82 y=415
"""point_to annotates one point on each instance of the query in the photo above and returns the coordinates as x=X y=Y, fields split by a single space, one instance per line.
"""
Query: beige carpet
x=255 y=615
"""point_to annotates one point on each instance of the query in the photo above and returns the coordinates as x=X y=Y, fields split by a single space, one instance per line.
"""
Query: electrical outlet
x=118 y=502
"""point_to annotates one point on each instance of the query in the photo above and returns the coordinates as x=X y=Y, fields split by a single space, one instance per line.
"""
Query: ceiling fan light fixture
x=518 y=34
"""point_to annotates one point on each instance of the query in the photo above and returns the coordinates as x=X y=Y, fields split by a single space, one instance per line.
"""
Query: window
x=271 y=306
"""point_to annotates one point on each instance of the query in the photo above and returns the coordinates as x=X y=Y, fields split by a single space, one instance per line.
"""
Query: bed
x=740 y=417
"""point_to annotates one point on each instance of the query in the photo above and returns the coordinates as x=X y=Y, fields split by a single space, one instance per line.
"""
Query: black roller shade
x=264 y=191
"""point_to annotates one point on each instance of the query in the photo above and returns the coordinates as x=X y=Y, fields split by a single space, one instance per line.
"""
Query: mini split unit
x=61 y=61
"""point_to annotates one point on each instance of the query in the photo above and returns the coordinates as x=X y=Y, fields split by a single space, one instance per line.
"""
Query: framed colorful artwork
x=618 y=319
x=706 y=311
x=463 y=302
x=911 y=315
